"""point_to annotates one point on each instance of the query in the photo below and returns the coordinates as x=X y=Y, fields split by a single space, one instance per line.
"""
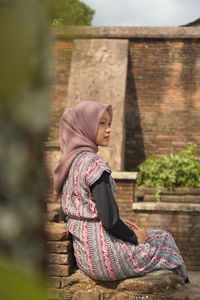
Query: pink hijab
x=78 y=130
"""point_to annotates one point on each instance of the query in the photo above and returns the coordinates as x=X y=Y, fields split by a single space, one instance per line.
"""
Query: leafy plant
x=57 y=22
x=176 y=170
x=69 y=12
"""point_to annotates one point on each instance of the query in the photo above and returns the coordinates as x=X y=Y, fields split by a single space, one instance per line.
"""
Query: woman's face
x=103 y=132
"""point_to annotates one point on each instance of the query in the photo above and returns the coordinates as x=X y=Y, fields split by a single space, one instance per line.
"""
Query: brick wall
x=163 y=97
x=60 y=258
x=125 y=197
x=62 y=51
x=163 y=87
x=52 y=155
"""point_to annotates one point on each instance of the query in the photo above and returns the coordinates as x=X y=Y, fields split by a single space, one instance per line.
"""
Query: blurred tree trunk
x=24 y=100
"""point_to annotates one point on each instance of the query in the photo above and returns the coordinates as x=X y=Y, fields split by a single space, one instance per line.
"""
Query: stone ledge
x=124 y=175
x=162 y=284
x=127 y=32
x=165 y=206
x=52 y=145
x=141 y=190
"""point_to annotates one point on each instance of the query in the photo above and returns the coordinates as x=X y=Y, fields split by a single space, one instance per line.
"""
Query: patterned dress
x=100 y=255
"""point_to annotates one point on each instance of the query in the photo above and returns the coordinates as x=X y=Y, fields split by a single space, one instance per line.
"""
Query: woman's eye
x=104 y=123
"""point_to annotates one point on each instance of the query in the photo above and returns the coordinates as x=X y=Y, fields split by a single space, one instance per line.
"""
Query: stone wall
x=162 y=92
x=98 y=72
x=59 y=254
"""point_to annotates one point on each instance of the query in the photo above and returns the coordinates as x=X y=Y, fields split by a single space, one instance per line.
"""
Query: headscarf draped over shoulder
x=78 y=131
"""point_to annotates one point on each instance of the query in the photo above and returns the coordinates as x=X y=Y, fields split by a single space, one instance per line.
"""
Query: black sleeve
x=108 y=210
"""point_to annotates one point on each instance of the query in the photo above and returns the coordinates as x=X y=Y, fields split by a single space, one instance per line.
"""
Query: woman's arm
x=108 y=210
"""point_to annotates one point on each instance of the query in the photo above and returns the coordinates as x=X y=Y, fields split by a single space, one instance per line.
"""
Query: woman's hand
x=132 y=225
x=141 y=236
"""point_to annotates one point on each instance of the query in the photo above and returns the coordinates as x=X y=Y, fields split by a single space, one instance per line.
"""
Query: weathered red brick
x=60 y=259
x=59 y=247
x=59 y=270
x=57 y=232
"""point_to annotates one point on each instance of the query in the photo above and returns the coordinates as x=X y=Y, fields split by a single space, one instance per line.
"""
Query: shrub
x=176 y=170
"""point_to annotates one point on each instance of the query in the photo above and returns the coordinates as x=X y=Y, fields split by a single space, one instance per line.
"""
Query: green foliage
x=176 y=170
x=50 y=138
x=16 y=285
x=57 y=22
x=69 y=12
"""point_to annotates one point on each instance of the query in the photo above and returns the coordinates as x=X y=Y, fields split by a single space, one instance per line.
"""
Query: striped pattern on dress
x=100 y=255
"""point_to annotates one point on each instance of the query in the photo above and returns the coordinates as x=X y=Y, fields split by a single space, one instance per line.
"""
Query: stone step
x=158 y=285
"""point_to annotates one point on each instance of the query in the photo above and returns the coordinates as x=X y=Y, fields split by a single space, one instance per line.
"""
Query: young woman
x=105 y=246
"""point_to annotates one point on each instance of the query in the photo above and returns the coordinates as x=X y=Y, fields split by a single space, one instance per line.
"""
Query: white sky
x=144 y=12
